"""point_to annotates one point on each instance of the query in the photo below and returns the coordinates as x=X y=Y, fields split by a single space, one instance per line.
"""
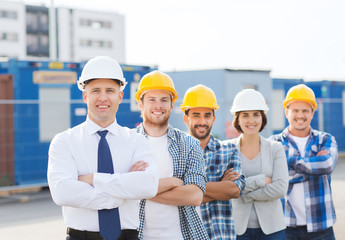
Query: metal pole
x=52 y=32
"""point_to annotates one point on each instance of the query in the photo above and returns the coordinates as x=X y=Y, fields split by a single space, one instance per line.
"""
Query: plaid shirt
x=315 y=173
x=217 y=215
x=188 y=165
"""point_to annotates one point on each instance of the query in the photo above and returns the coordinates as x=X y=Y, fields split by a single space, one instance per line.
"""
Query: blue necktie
x=109 y=219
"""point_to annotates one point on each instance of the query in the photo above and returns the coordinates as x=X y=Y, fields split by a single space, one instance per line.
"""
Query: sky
x=291 y=38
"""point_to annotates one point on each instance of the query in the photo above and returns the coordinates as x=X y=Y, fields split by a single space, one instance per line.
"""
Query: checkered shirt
x=217 y=215
x=188 y=164
x=315 y=173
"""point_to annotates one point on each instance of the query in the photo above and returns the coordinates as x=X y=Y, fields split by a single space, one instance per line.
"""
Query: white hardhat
x=249 y=100
x=101 y=67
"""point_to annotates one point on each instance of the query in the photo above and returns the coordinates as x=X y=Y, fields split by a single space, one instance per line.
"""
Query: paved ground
x=34 y=216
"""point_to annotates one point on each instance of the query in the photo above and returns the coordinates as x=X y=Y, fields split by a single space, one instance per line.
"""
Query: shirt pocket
x=215 y=172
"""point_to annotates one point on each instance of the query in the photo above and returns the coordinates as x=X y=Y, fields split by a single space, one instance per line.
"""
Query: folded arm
x=98 y=190
x=63 y=181
x=323 y=162
x=187 y=195
x=275 y=187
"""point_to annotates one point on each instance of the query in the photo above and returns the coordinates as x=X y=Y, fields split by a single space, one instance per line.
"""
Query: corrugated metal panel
x=6 y=132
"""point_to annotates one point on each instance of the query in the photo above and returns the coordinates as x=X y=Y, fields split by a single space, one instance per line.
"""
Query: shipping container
x=39 y=99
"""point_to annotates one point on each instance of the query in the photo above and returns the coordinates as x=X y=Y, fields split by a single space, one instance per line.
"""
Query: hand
x=88 y=178
x=268 y=180
x=322 y=153
x=230 y=175
x=138 y=166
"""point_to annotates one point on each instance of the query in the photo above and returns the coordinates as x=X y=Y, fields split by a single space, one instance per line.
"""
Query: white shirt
x=74 y=152
x=162 y=221
x=296 y=196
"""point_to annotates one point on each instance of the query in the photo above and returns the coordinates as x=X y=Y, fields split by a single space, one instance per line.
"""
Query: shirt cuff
x=198 y=180
x=100 y=180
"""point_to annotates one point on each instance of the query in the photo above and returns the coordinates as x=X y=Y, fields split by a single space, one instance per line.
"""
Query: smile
x=201 y=128
x=103 y=106
x=157 y=113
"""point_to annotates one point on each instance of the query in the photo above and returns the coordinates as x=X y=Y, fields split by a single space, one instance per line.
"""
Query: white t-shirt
x=162 y=221
x=296 y=196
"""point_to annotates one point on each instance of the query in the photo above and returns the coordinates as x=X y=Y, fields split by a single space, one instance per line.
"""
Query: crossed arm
x=98 y=190
x=223 y=190
x=172 y=191
x=137 y=166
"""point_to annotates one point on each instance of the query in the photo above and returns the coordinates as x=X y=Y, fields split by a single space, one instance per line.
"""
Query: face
x=200 y=122
x=299 y=114
x=250 y=122
x=102 y=97
x=156 y=107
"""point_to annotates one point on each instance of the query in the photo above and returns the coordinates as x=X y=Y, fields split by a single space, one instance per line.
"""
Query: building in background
x=226 y=83
x=80 y=34
x=12 y=29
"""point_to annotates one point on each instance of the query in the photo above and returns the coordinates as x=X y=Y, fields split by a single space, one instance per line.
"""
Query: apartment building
x=12 y=30
x=80 y=34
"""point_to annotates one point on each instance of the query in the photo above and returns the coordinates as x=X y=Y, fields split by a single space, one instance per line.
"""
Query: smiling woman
x=258 y=212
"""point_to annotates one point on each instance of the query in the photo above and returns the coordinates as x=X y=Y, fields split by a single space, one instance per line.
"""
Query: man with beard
x=311 y=157
x=223 y=168
x=171 y=215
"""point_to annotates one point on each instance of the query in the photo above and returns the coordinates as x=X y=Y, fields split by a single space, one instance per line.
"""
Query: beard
x=201 y=136
x=151 y=121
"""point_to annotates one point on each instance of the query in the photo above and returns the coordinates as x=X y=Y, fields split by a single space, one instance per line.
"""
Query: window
x=95 y=43
x=44 y=39
x=31 y=21
x=96 y=24
x=32 y=42
x=8 y=14
x=12 y=37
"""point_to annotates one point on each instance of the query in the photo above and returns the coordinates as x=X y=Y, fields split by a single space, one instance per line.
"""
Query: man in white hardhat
x=98 y=171
x=199 y=106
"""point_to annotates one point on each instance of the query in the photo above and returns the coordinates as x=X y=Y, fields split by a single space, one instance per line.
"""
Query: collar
x=170 y=133
x=286 y=132
x=213 y=144
x=93 y=127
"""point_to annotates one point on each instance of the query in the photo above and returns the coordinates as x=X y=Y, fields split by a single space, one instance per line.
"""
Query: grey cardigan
x=265 y=198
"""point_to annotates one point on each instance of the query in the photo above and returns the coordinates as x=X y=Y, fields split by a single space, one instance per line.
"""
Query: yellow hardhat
x=300 y=92
x=156 y=80
x=199 y=96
